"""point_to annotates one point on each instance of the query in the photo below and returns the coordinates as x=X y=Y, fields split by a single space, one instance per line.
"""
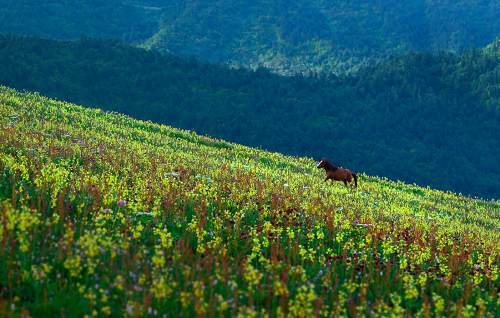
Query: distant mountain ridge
x=430 y=119
x=285 y=36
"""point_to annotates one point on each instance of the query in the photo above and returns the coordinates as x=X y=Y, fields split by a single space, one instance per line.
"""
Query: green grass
x=103 y=215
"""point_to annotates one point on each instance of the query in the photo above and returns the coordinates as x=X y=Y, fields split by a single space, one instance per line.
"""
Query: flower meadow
x=104 y=215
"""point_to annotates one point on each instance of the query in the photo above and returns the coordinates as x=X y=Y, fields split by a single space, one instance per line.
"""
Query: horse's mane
x=330 y=166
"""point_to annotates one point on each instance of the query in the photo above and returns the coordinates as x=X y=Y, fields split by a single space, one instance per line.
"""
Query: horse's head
x=322 y=163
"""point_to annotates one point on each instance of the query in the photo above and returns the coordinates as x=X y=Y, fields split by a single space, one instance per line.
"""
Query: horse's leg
x=325 y=179
x=349 y=178
x=345 y=182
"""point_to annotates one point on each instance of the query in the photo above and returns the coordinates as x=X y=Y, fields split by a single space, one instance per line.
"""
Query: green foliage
x=103 y=215
x=65 y=20
x=430 y=119
x=292 y=36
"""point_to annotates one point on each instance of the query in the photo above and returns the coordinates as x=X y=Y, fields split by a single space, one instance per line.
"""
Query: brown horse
x=335 y=173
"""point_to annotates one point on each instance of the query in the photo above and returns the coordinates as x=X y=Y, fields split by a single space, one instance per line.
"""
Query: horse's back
x=341 y=174
x=348 y=175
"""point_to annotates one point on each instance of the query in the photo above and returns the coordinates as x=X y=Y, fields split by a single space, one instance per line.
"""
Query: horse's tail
x=355 y=178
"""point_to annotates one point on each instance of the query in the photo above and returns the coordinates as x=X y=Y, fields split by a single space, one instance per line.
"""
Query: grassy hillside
x=421 y=118
x=104 y=215
x=286 y=36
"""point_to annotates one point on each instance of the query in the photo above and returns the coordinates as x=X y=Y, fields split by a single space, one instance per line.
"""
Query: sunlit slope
x=293 y=36
x=147 y=220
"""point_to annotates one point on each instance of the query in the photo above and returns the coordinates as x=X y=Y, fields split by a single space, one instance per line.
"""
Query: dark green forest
x=430 y=119
x=65 y=20
x=286 y=36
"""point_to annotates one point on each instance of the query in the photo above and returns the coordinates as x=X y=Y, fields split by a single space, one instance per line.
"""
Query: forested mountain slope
x=423 y=118
x=67 y=20
x=286 y=36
